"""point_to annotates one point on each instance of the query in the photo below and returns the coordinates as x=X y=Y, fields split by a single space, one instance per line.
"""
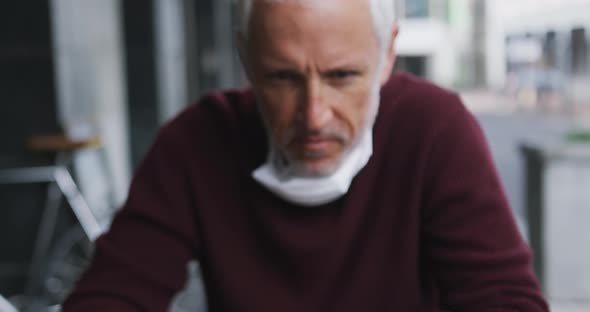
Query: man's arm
x=476 y=254
x=140 y=263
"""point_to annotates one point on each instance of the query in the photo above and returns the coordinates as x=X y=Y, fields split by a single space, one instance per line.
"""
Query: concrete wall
x=90 y=78
x=495 y=46
x=430 y=38
x=171 y=58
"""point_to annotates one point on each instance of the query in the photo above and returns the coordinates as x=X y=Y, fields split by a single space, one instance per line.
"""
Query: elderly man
x=331 y=185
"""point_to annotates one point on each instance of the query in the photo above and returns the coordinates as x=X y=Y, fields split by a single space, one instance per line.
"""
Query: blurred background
x=85 y=84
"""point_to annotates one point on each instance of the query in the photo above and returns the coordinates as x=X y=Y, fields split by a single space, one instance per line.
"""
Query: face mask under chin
x=286 y=169
x=317 y=191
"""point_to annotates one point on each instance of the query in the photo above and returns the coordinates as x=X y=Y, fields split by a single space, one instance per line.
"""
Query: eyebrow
x=285 y=64
x=348 y=67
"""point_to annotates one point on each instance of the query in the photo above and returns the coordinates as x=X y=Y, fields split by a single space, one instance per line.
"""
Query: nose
x=316 y=111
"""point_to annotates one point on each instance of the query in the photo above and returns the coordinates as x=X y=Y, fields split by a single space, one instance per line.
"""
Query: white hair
x=382 y=11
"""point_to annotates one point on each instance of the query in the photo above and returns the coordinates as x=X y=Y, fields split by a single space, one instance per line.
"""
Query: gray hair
x=383 y=12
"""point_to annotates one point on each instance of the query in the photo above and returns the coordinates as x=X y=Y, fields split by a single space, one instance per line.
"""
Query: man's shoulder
x=219 y=128
x=222 y=104
x=407 y=92
x=216 y=112
x=414 y=112
x=407 y=99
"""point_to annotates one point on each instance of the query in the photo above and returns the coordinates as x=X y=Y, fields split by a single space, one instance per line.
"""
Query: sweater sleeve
x=476 y=255
x=139 y=264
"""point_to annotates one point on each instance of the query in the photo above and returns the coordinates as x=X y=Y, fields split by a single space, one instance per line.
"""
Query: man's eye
x=342 y=74
x=283 y=75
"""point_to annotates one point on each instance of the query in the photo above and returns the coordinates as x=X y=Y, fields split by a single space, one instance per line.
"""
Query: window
x=416 y=65
x=579 y=50
x=550 y=49
x=416 y=8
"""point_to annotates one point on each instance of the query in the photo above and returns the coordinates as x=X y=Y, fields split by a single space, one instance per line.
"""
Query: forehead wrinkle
x=262 y=30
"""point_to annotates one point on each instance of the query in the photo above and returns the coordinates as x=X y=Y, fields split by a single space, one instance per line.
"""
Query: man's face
x=314 y=68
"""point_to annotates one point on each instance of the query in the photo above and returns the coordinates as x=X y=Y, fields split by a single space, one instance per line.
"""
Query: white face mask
x=314 y=191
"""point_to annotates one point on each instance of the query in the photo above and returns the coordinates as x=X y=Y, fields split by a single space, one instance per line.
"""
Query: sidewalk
x=569 y=307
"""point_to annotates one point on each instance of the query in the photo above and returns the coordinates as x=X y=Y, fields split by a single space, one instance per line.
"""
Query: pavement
x=559 y=306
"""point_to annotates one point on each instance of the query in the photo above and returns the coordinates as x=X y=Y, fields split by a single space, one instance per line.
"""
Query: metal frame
x=60 y=177
x=61 y=183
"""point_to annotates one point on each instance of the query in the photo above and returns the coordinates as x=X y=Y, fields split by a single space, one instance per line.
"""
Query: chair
x=61 y=185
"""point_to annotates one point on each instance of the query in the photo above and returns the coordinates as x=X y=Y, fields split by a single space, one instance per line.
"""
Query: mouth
x=316 y=143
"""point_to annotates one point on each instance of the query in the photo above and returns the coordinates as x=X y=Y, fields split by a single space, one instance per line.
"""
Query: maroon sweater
x=425 y=225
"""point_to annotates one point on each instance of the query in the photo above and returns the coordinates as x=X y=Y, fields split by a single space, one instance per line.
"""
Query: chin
x=310 y=164
x=315 y=168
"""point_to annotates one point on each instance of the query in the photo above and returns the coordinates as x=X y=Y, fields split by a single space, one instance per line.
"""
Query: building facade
x=548 y=41
x=444 y=41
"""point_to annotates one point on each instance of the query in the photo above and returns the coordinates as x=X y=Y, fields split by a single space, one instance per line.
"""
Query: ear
x=389 y=61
